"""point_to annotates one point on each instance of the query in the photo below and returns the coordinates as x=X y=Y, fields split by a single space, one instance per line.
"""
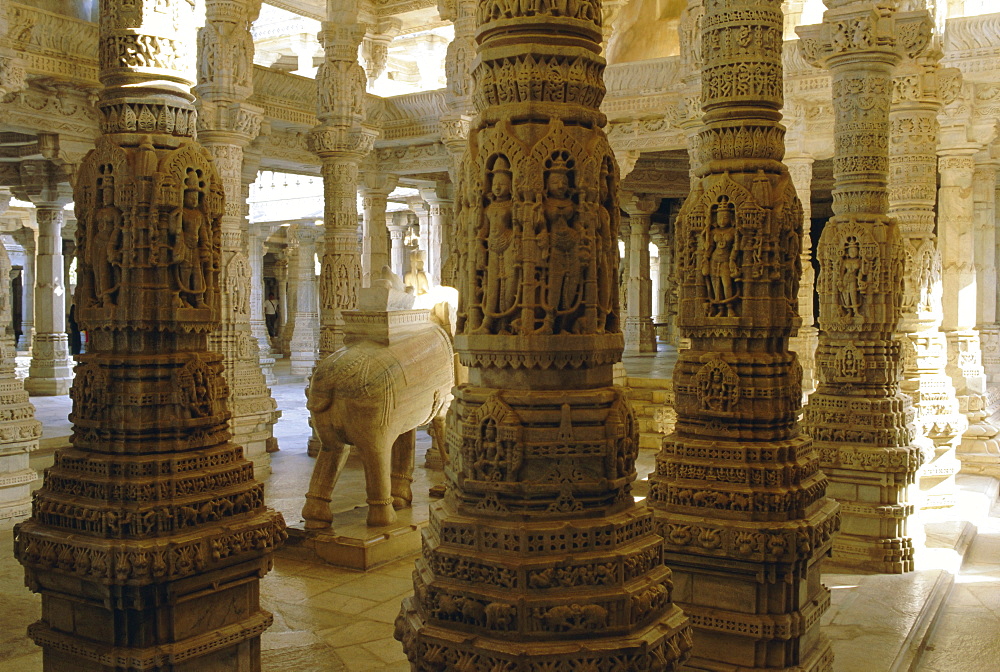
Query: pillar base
x=42 y=386
x=351 y=544
x=640 y=335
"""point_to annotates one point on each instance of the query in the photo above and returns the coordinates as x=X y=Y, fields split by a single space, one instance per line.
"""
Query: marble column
x=661 y=237
x=226 y=126
x=804 y=342
x=737 y=489
x=304 y=345
x=980 y=446
x=258 y=234
x=375 y=191
x=439 y=211
x=639 y=333
x=859 y=418
x=342 y=139
x=26 y=238
x=397 y=252
x=149 y=537
x=19 y=430
x=984 y=184
x=285 y=297
x=538 y=557
x=256 y=238
x=913 y=141
x=51 y=370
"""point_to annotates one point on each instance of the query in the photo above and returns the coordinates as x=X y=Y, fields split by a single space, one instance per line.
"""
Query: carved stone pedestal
x=351 y=544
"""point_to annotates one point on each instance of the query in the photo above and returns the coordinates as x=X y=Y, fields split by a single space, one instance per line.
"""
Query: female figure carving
x=502 y=250
x=852 y=278
x=567 y=250
x=720 y=263
x=192 y=244
x=105 y=248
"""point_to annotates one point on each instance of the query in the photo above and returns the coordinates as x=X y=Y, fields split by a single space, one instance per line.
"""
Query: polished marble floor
x=332 y=620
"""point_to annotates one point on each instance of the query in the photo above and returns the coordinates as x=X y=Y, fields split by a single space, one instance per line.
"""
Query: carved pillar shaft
x=341 y=140
x=151 y=527
x=19 y=430
x=375 y=244
x=258 y=321
x=862 y=423
x=51 y=370
x=397 y=253
x=804 y=343
x=955 y=214
x=913 y=141
x=303 y=345
x=737 y=484
x=26 y=237
x=541 y=446
x=984 y=181
x=639 y=333
x=439 y=209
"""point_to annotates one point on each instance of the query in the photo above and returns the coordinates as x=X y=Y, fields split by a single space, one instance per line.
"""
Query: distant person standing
x=75 y=335
x=271 y=315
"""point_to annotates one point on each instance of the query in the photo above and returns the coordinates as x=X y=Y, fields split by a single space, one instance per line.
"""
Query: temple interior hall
x=499 y=335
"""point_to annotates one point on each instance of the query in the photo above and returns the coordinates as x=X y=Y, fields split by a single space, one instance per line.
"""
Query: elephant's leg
x=329 y=464
x=437 y=434
x=376 y=454
x=403 y=450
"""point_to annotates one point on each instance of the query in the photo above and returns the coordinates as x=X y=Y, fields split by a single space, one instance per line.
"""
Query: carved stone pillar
x=956 y=210
x=397 y=252
x=737 y=489
x=538 y=557
x=639 y=333
x=341 y=140
x=303 y=345
x=26 y=238
x=664 y=244
x=256 y=237
x=51 y=370
x=375 y=245
x=804 y=343
x=258 y=324
x=149 y=536
x=861 y=421
x=19 y=430
x=226 y=125
x=439 y=210
x=286 y=296
x=913 y=140
x=984 y=184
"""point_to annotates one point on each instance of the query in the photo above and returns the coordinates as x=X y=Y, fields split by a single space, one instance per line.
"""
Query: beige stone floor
x=328 y=619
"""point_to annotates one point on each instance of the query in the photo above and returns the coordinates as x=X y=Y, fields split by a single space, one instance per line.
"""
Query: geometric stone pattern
x=737 y=485
x=149 y=536
x=538 y=558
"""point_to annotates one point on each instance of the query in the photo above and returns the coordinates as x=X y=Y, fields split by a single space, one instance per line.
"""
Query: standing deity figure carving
x=192 y=244
x=566 y=249
x=852 y=279
x=721 y=265
x=105 y=249
x=502 y=249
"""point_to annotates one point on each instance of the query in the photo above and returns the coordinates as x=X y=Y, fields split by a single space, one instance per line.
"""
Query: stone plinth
x=351 y=544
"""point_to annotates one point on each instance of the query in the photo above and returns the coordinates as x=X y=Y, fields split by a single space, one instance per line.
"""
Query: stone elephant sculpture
x=373 y=395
